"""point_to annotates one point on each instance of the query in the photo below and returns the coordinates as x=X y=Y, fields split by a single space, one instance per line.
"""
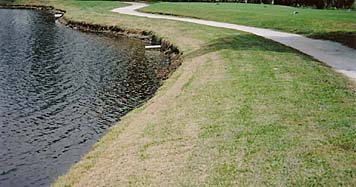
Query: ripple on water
x=60 y=90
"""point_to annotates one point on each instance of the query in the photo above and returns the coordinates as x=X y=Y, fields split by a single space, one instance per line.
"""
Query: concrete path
x=341 y=58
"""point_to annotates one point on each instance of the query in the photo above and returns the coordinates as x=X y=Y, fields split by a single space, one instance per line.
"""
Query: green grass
x=272 y=119
x=240 y=111
x=94 y=6
x=308 y=21
x=335 y=25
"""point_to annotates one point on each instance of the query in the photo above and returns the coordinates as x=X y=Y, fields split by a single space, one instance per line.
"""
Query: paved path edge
x=335 y=55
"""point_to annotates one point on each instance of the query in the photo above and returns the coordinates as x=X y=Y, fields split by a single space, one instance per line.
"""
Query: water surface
x=60 y=90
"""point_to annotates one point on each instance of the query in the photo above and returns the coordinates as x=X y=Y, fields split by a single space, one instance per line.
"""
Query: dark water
x=60 y=90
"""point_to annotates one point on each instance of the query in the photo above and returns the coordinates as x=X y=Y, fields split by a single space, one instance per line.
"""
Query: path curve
x=341 y=58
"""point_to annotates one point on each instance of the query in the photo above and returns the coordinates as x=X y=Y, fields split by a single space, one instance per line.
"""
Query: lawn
x=240 y=111
x=338 y=25
x=94 y=6
x=307 y=21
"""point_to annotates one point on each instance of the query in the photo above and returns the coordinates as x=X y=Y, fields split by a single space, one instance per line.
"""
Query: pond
x=60 y=91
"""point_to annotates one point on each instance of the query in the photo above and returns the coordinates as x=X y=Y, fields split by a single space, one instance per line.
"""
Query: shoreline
x=50 y=9
x=167 y=48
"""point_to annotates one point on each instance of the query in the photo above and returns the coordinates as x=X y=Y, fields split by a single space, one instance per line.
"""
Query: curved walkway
x=341 y=58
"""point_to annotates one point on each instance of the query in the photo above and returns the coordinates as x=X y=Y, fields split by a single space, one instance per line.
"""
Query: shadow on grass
x=345 y=38
x=240 y=42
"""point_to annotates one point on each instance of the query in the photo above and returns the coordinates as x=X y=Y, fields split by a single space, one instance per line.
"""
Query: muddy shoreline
x=149 y=37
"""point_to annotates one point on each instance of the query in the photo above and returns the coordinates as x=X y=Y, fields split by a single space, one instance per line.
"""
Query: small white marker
x=153 y=47
x=56 y=15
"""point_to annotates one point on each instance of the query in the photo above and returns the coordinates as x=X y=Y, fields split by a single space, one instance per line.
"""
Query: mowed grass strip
x=335 y=25
x=95 y=6
x=240 y=111
x=307 y=21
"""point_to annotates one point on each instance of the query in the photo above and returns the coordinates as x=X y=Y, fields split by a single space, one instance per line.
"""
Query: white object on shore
x=58 y=15
x=153 y=47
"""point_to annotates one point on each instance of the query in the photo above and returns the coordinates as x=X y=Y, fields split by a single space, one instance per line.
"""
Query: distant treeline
x=312 y=3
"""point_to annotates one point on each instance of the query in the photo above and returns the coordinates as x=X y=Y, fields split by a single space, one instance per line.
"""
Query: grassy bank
x=337 y=25
x=240 y=111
